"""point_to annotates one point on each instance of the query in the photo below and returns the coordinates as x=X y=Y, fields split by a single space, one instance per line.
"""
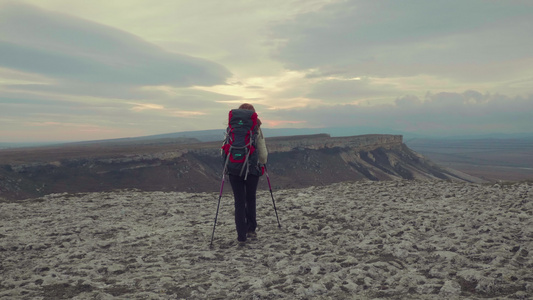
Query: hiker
x=244 y=182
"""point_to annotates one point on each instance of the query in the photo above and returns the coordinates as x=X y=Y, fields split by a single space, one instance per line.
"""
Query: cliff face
x=369 y=157
x=293 y=162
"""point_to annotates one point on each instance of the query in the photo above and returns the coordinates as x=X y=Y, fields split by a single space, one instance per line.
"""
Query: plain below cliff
x=191 y=166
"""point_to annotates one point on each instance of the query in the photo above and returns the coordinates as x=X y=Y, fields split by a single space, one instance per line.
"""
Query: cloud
x=278 y=123
x=169 y=110
x=162 y=68
x=60 y=69
x=470 y=112
x=80 y=51
x=469 y=40
x=146 y=106
x=352 y=90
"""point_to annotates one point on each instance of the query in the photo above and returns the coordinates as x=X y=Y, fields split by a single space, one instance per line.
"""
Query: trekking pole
x=218 y=205
x=273 y=202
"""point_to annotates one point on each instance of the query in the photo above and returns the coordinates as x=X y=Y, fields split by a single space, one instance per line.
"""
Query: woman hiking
x=245 y=177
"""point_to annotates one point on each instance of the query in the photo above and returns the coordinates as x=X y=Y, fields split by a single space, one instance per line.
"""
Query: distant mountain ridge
x=211 y=135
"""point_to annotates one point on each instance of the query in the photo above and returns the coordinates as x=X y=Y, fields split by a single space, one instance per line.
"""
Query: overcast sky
x=99 y=69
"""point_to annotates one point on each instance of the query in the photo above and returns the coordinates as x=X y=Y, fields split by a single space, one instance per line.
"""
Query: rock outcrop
x=296 y=161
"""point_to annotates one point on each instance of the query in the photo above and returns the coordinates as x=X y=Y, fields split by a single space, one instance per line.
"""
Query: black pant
x=244 y=192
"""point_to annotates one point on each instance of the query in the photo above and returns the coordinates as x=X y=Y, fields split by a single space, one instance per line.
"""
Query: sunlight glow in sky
x=82 y=70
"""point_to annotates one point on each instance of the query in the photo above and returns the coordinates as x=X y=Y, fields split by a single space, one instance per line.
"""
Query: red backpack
x=239 y=147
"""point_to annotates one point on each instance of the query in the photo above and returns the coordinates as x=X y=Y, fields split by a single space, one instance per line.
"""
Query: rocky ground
x=361 y=240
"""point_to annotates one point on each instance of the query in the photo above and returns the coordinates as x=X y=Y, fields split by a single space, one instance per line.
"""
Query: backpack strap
x=245 y=164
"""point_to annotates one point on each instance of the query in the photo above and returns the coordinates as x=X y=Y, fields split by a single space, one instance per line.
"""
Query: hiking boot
x=251 y=234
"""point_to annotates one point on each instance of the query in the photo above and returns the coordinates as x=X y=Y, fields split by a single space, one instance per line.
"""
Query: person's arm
x=262 y=151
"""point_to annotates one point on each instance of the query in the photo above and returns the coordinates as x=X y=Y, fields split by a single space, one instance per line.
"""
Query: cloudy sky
x=85 y=70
